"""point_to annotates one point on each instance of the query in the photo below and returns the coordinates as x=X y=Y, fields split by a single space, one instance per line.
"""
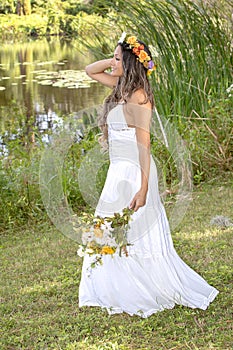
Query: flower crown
x=138 y=50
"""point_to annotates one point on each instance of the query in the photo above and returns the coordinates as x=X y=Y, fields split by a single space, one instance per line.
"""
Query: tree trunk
x=27 y=7
x=23 y=7
x=19 y=8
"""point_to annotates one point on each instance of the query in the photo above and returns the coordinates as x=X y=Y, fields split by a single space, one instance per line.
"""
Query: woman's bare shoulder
x=139 y=97
x=139 y=112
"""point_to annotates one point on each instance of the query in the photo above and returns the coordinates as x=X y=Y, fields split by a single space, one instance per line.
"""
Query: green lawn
x=40 y=279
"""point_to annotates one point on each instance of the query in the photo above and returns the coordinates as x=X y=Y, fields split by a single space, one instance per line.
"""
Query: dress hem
x=113 y=311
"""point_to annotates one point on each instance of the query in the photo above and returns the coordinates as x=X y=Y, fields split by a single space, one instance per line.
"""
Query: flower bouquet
x=104 y=236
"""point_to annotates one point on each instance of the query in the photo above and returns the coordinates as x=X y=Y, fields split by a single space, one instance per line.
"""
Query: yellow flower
x=98 y=232
x=143 y=56
x=107 y=250
x=132 y=40
x=149 y=72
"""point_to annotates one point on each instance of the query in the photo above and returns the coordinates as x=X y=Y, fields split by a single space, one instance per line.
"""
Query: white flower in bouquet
x=105 y=236
x=81 y=251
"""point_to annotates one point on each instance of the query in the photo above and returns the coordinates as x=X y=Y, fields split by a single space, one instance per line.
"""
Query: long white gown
x=152 y=277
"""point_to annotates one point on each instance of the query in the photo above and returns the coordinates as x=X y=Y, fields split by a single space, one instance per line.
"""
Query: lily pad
x=46 y=82
x=39 y=71
x=44 y=63
x=58 y=84
x=20 y=76
x=70 y=79
x=84 y=86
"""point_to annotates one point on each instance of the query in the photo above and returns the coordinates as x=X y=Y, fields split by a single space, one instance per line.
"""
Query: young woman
x=151 y=277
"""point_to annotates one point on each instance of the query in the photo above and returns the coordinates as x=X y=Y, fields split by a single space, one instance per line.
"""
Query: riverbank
x=41 y=274
x=51 y=24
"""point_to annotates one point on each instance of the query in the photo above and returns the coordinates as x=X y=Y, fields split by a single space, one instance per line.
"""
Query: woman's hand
x=97 y=72
x=139 y=200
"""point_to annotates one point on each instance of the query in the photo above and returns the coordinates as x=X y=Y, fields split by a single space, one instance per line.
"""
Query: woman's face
x=116 y=64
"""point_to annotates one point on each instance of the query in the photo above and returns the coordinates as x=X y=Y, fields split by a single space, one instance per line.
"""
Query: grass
x=40 y=280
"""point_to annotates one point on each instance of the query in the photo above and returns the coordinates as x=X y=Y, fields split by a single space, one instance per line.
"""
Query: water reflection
x=42 y=106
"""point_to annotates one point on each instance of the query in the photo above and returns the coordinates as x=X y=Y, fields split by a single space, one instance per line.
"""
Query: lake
x=43 y=80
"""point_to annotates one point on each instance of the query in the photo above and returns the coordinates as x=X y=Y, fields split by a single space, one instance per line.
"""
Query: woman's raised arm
x=97 y=72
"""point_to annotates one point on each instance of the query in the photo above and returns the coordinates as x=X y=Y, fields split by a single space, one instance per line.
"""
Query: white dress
x=152 y=277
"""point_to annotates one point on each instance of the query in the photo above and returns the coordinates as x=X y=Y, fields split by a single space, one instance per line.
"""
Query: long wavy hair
x=134 y=78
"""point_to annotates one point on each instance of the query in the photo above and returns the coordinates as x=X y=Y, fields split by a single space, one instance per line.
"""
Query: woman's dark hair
x=134 y=78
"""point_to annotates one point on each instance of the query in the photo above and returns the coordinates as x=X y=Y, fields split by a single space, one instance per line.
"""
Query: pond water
x=43 y=80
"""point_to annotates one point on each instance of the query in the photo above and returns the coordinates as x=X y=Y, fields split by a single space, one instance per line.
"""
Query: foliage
x=194 y=72
x=195 y=52
x=210 y=139
x=21 y=199
x=7 y=6
x=210 y=144
x=40 y=279
x=70 y=7
x=53 y=22
x=73 y=7
x=13 y=25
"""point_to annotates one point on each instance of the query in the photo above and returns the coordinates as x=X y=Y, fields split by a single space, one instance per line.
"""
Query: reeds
x=194 y=44
x=195 y=54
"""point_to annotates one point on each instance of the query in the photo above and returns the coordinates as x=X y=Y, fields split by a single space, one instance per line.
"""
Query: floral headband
x=138 y=50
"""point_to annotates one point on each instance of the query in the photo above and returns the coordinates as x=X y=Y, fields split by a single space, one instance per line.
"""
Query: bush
x=54 y=22
x=211 y=139
x=14 y=25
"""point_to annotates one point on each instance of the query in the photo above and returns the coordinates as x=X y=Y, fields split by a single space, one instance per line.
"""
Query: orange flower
x=143 y=56
x=141 y=47
x=136 y=51
x=107 y=250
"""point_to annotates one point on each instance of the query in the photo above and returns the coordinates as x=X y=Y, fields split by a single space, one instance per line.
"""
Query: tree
x=23 y=7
